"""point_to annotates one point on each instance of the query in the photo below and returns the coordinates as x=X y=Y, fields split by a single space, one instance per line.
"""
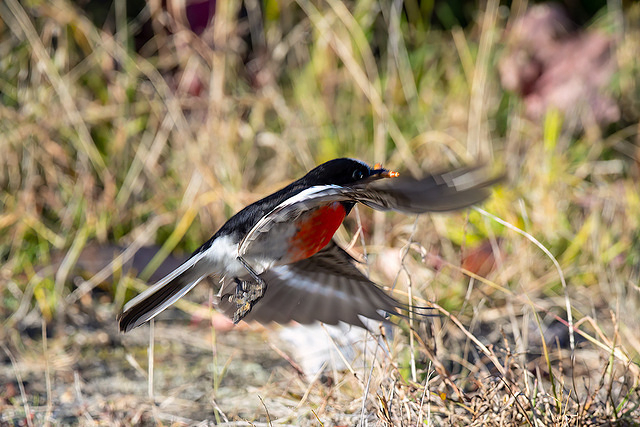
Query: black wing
x=441 y=192
x=326 y=287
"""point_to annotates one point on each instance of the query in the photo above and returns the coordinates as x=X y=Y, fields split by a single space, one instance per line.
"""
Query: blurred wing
x=326 y=287
x=442 y=192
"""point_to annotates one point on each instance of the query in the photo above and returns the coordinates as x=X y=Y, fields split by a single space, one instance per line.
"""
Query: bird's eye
x=357 y=175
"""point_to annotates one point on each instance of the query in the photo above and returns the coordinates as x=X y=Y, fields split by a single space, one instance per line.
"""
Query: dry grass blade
x=24 y=26
x=23 y=394
x=363 y=83
x=125 y=128
x=555 y=263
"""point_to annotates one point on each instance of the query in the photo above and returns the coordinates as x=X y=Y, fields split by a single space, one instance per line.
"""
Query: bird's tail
x=158 y=297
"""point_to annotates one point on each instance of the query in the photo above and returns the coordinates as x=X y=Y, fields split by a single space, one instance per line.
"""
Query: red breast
x=315 y=230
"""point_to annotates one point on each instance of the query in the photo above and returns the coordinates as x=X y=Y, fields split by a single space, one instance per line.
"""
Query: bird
x=277 y=259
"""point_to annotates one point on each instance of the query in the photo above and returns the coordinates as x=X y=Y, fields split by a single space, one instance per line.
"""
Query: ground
x=132 y=131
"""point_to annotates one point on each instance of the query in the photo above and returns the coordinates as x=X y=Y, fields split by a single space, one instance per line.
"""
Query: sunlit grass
x=104 y=144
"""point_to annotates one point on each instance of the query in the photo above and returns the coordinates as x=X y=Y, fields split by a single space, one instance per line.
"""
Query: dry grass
x=103 y=144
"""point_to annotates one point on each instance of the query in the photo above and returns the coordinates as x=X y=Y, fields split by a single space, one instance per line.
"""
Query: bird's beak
x=380 y=172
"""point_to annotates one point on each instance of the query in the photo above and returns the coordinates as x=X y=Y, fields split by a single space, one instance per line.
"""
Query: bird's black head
x=345 y=171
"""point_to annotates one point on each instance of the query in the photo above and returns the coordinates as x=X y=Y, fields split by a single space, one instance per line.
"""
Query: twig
x=150 y=356
x=47 y=368
x=23 y=394
x=366 y=388
x=266 y=409
x=572 y=341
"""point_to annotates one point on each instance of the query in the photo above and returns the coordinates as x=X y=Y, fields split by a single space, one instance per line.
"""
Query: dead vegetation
x=109 y=139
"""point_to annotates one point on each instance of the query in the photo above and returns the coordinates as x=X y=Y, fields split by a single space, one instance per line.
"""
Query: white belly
x=223 y=252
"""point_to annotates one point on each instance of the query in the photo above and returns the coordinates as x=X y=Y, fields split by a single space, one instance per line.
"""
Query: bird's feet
x=248 y=293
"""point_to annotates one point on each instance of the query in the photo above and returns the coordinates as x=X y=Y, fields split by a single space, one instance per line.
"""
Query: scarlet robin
x=276 y=257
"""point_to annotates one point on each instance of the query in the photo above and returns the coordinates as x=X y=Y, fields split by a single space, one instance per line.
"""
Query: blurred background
x=131 y=130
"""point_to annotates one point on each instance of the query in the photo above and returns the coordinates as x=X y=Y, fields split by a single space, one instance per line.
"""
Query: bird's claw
x=247 y=294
